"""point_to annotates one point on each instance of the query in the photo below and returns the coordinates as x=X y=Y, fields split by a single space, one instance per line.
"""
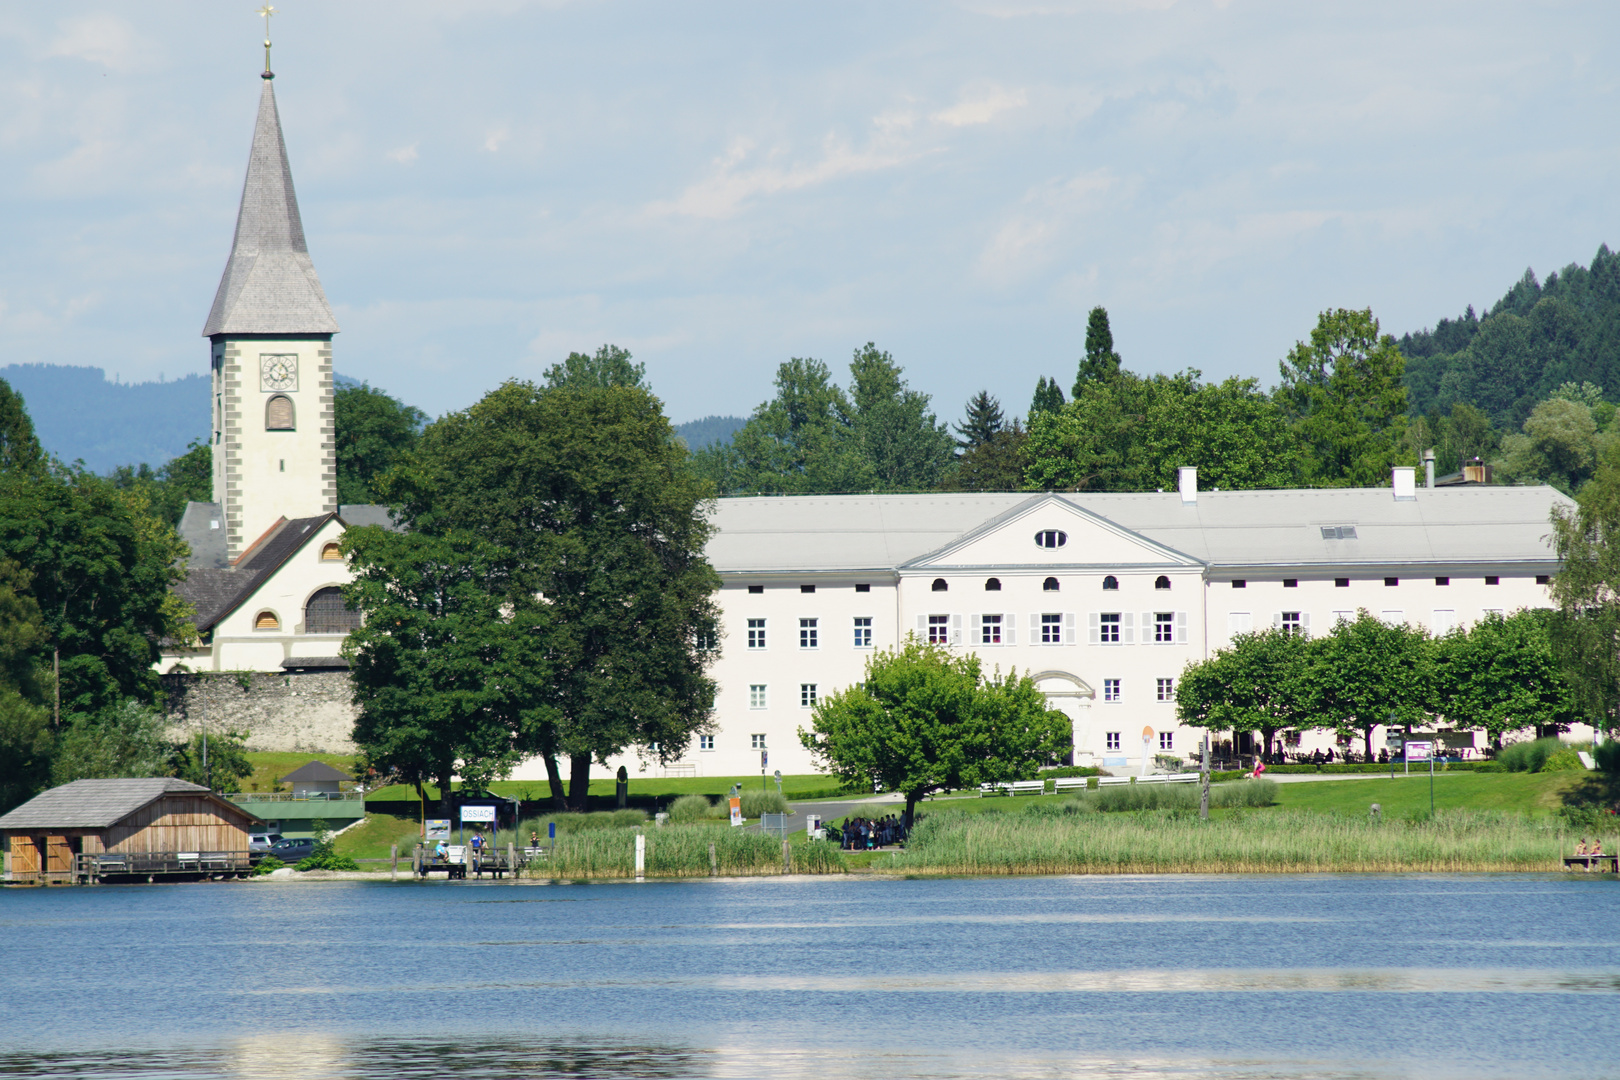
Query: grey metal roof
x=314 y=771
x=93 y=804
x=829 y=533
x=269 y=285
x=359 y=514
x=202 y=527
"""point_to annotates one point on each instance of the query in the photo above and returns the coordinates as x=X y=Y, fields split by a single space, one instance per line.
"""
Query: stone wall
x=293 y=711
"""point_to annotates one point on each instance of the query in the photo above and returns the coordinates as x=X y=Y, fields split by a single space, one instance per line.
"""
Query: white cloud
x=404 y=155
x=496 y=138
x=730 y=186
x=983 y=108
x=103 y=39
x=1028 y=240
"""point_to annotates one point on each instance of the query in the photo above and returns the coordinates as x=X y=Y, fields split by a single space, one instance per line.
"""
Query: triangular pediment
x=1086 y=539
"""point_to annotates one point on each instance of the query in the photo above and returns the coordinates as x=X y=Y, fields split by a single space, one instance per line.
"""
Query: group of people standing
x=865 y=834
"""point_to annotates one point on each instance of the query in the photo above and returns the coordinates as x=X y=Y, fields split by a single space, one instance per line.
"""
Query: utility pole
x=1203 y=801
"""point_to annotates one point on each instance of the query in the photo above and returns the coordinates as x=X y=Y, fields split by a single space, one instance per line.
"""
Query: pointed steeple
x=269 y=285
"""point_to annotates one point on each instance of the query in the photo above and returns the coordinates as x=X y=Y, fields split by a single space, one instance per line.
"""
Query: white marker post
x=641 y=857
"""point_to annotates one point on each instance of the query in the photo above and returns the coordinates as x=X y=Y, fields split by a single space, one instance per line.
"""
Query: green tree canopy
x=997 y=464
x=372 y=432
x=1363 y=670
x=588 y=493
x=166 y=490
x=982 y=423
x=1048 y=398
x=1560 y=444
x=924 y=720
x=1344 y=395
x=1254 y=685
x=1130 y=433
x=1101 y=362
x=19 y=446
x=1502 y=675
x=1586 y=633
x=609 y=366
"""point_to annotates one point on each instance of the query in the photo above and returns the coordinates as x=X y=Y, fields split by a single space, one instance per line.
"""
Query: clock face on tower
x=278 y=371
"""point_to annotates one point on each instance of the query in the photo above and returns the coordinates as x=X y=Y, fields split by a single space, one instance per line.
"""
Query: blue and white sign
x=477 y=813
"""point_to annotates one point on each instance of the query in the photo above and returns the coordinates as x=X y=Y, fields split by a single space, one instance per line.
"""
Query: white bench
x=1069 y=783
x=1110 y=781
x=1014 y=788
x=1155 y=778
x=1182 y=778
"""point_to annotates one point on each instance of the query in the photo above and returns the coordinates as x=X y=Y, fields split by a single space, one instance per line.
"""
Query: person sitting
x=1580 y=848
x=1597 y=848
x=441 y=852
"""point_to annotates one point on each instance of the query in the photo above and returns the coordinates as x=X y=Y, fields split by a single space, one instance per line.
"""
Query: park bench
x=1156 y=778
x=1182 y=778
x=1069 y=783
x=1015 y=788
x=1110 y=781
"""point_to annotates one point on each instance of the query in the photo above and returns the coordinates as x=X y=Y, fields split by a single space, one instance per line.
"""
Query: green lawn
x=268 y=767
x=1528 y=793
x=370 y=840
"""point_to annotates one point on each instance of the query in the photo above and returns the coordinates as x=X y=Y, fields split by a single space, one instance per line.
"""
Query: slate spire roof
x=269 y=285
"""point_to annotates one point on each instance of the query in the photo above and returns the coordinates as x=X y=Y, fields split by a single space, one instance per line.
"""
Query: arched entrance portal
x=1070 y=695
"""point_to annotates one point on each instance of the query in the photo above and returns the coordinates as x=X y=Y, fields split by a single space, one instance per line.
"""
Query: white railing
x=300 y=796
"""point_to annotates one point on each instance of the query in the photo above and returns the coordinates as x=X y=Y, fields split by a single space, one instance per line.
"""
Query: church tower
x=271 y=332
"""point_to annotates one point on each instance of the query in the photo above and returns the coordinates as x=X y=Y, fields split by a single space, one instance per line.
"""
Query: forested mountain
x=709 y=429
x=79 y=415
x=1538 y=337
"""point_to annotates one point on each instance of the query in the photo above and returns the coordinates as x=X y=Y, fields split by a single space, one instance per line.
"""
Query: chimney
x=1405 y=481
x=1187 y=480
x=1428 y=467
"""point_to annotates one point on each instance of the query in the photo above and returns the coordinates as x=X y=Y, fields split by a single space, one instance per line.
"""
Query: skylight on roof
x=1338 y=532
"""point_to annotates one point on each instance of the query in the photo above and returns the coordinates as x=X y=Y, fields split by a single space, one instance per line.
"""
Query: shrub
x=755 y=803
x=1060 y=772
x=690 y=808
x=1528 y=756
x=267 y=864
x=1565 y=760
x=331 y=860
x=1607 y=756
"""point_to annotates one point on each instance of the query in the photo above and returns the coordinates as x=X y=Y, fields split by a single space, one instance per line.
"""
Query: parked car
x=260 y=843
x=292 y=851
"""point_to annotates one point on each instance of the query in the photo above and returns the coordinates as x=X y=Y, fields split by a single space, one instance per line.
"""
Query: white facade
x=1140 y=586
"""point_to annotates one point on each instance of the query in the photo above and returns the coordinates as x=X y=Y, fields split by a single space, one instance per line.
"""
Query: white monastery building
x=1103 y=598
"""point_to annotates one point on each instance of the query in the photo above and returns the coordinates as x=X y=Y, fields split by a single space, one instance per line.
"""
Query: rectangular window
x=1110 y=689
x=756 y=742
x=807 y=695
x=1543 y=579
x=1052 y=629
x=1111 y=740
x=863 y=588
x=705 y=742
x=1394 y=618
x=1110 y=627
x=756 y=696
x=1391 y=582
x=990 y=630
x=807 y=634
x=1341 y=583
x=1240 y=584
x=1442 y=581
x=1291 y=622
x=1444 y=622
x=1166 y=689
x=756 y=633
x=1290 y=583
x=939 y=629
x=756 y=590
x=1164 y=627
x=1239 y=622
x=707 y=640
x=807 y=588
x=1167 y=740
x=1344 y=616
x=863 y=631
x=1492 y=579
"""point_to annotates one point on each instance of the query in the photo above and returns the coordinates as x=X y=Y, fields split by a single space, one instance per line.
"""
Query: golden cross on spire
x=267 y=11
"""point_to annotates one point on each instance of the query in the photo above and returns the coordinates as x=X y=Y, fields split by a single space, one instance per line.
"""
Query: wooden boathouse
x=127 y=830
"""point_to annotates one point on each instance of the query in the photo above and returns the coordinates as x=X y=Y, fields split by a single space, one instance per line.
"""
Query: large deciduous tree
x=1366 y=669
x=1254 y=685
x=1586 y=633
x=372 y=432
x=588 y=492
x=1502 y=675
x=1344 y=393
x=924 y=719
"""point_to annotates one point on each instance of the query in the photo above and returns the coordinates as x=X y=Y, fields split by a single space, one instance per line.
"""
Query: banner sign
x=438 y=828
x=477 y=813
x=736 y=811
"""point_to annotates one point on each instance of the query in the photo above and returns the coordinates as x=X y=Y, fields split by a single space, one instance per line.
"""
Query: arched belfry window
x=1161 y=582
x=326 y=613
x=1110 y=583
x=1049 y=585
x=939 y=585
x=278 y=413
x=266 y=620
x=992 y=584
x=331 y=553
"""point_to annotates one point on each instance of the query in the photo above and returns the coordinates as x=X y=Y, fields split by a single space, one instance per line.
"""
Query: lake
x=1175 y=976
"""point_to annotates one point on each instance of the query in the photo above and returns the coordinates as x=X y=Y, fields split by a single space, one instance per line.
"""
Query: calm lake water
x=1248 y=977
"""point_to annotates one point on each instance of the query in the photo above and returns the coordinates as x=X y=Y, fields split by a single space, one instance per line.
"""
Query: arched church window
x=326 y=613
x=1110 y=583
x=992 y=584
x=331 y=553
x=1161 y=582
x=1049 y=585
x=266 y=620
x=278 y=413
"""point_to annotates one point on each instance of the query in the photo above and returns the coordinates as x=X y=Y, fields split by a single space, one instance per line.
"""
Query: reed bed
x=683 y=851
x=1161 y=842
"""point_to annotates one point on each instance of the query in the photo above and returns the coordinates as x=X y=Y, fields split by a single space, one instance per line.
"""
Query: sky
x=487 y=185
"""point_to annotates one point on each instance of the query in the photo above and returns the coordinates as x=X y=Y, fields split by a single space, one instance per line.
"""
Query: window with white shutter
x=975 y=623
x=922 y=628
x=1305 y=623
x=1035 y=629
x=1128 y=629
x=1239 y=622
x=1009 y=629
x=1070 y=635
x=1181 y=628
x=1445 y=621
x=1093 y=619
x=956 y=629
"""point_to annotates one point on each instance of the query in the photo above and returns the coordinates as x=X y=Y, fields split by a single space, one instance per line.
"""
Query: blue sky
x=719 y=187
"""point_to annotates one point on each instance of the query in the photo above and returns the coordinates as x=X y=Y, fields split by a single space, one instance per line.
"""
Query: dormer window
x=1161 y=582
x=1049 y=585
x=1110 y=583
x=940 y=586
x=992 y=585
x=278 y=413
x=331 y=553
x=1051 y=538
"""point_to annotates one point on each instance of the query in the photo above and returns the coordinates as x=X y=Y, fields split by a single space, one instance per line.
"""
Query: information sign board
x=1418 y=751
x=477 y=813
x=438 y=828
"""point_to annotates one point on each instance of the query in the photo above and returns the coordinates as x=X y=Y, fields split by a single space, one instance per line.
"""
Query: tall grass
x=1528 y=756
x=690 y=808
x=679 y=851
x=1170 y=797
x=755 y=803
x=1156 y=842
x=574 y=823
